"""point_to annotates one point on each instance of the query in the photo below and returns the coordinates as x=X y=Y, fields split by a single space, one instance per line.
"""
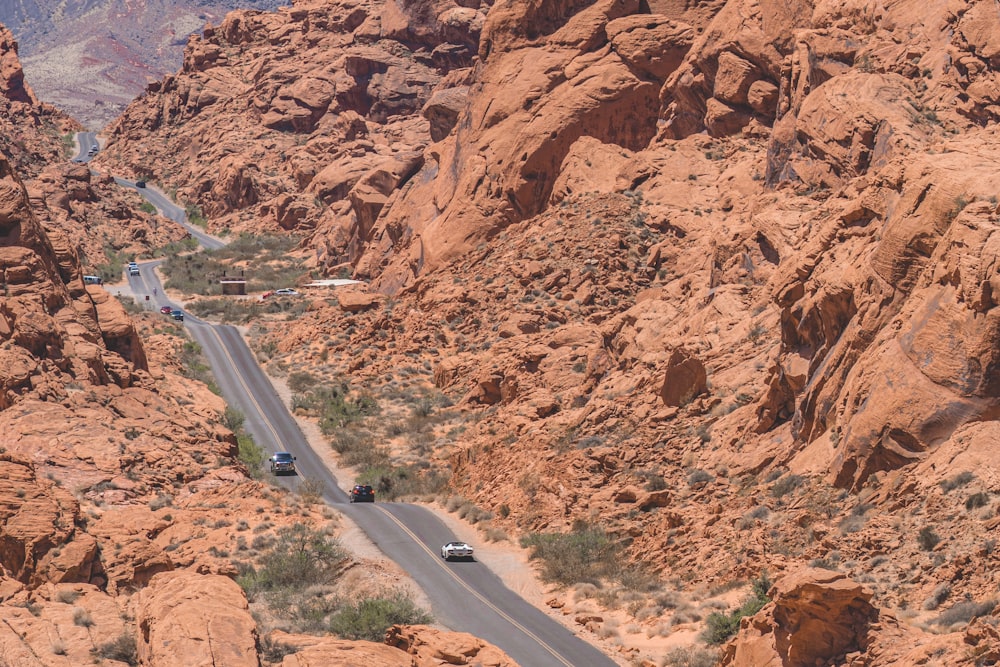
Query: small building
x=233 y=285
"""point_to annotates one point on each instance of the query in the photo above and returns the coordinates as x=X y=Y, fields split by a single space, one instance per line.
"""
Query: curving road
x=464 y=596
x=85 y=141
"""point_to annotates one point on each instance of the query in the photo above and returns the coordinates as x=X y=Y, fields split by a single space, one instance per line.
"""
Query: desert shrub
x=249 y=452
x=851 y=524
x=691 y=657
x=586 y=554
x=977 y=500
x=957 y=480
x=965 y=611
x=786 y=485
x=299 y=557
x=311 y=491
x=927 y=538
x=161 y=501
x=82 y=617
x=719 y=627
x=67 y=596
x=939 y=595
x=122 y=649
x=302 y=381
x=699 y=476
x=275 y=651
x=370 y=618
x=333 y=408
x=114 y=264
x=195 y=366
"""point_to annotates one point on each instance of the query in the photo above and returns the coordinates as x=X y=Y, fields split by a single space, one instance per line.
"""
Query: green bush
x=585 y=555
x=333 y=408
x=720 y=627
x=114 y=264
x=369 y=619
x=299 y=557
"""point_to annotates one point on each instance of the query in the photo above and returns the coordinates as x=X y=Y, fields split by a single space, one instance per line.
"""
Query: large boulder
x=815 y=616
x=185 y=618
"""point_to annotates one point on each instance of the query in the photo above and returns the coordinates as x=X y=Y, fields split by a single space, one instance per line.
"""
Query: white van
x=93 y=280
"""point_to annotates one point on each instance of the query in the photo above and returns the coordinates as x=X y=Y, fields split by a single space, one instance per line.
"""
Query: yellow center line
x=246 y=388
x=474 y=592
x=395 y=520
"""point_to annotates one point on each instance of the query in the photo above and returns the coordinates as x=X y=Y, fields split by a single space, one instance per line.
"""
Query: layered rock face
x=720 y=279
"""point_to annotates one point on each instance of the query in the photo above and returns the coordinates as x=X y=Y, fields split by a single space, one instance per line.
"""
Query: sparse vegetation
x=719 y=627
x=956 y=481
x=370 y=618
x=266 y=261
x=977 y=500
x=123 y=649
x=927 y=538
x=299 y=557
x=786 y=485
x=586 y=554
x=249 y=453
x=691 y=657
x=965 y=611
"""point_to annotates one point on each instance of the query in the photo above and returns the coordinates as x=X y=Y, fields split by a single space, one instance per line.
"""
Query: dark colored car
x=362 y=493
x=282 y=462
x=166 y=310
x=177 y=315
x=140 y=184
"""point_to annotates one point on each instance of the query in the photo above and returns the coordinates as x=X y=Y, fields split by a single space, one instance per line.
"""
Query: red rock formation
x=433 y=647
x=194 y=619
x=800 y=195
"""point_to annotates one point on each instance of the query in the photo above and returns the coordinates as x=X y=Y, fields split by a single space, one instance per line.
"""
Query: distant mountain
x=91 y=57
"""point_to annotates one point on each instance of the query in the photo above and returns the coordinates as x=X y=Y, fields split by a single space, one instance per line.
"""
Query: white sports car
x=456 y=550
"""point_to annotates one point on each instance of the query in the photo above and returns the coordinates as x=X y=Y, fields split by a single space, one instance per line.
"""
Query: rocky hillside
x=91 y=58
x=715 y=278
x=126 y=511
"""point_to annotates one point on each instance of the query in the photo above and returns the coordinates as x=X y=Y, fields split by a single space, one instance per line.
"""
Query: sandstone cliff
x=718 y=279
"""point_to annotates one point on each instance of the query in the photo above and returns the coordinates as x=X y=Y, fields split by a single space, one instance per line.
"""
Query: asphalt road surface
x=86 y=141
x=465 y=596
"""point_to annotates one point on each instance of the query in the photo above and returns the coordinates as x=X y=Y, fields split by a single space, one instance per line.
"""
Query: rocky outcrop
x=816 y=616
x=195 y=619
x=432 y=646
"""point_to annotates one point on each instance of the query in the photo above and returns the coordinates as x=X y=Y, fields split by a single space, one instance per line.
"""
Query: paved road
x=85 y=141
x=464 y=596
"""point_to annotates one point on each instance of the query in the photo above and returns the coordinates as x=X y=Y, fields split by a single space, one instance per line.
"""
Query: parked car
x=133 y=269
x=177 y=314
x=285 y=291
x=140 y=184
x=456 y=550
x=282 y=462
x=93 y=280
x=166 y=310
x=362 y=493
